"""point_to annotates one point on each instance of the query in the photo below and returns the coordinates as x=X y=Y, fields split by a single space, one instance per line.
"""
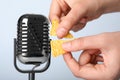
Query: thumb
x=90 y=42
x=76 y=13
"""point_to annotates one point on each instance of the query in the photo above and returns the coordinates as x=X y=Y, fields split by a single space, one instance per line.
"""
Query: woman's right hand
x=74 y=14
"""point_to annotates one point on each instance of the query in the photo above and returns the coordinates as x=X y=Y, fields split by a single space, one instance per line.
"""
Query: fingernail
x=61 y=32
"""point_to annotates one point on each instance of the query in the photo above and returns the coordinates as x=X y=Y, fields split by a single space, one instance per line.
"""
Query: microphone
x=32 y=45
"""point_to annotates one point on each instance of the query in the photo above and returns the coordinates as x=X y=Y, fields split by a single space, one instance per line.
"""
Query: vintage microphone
x=32 y=45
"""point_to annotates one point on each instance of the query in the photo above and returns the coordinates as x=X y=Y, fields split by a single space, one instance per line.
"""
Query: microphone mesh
x=33 y=36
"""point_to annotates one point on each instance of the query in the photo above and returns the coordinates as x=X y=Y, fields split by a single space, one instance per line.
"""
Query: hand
x=103 y=48
x=74 y=14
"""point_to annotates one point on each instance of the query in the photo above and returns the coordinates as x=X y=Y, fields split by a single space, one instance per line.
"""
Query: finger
x=85 y=56
x=90 y=42
x=70 y=20
x=99 y=59
x=71 y=63
x=64 y=6
x=78 y=26
x=55 y=11
x=83 y=71
x=91 y=67
x=93 y=59
x=81 y=24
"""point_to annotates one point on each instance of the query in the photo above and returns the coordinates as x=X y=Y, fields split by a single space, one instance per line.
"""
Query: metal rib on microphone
x=32 y=45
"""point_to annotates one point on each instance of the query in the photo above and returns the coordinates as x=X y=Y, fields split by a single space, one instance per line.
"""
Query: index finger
x=55 y=11
x=72 y=63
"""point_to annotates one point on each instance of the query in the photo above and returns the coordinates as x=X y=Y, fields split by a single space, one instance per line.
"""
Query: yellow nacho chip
x=69 y=35
x=54 y=28
x=56 y=47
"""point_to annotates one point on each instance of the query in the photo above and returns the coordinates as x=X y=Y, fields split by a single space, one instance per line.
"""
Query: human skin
x=74 y=15
x=103 y=48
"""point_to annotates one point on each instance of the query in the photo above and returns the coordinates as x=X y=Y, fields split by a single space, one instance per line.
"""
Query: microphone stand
x=31 y=76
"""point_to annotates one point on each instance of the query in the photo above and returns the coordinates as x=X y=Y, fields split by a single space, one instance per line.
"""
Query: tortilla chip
x=56 y=47
x=54 y=28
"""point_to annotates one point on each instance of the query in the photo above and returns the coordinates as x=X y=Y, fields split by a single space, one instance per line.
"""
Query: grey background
x=11 y=10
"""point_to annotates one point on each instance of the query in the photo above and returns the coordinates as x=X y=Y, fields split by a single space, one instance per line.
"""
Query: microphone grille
x=33 y=36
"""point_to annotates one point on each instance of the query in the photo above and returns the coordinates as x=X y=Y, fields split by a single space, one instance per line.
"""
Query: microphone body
x=32 y=45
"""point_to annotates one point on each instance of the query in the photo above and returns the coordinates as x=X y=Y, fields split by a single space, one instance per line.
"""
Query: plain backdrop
x=11 y=10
